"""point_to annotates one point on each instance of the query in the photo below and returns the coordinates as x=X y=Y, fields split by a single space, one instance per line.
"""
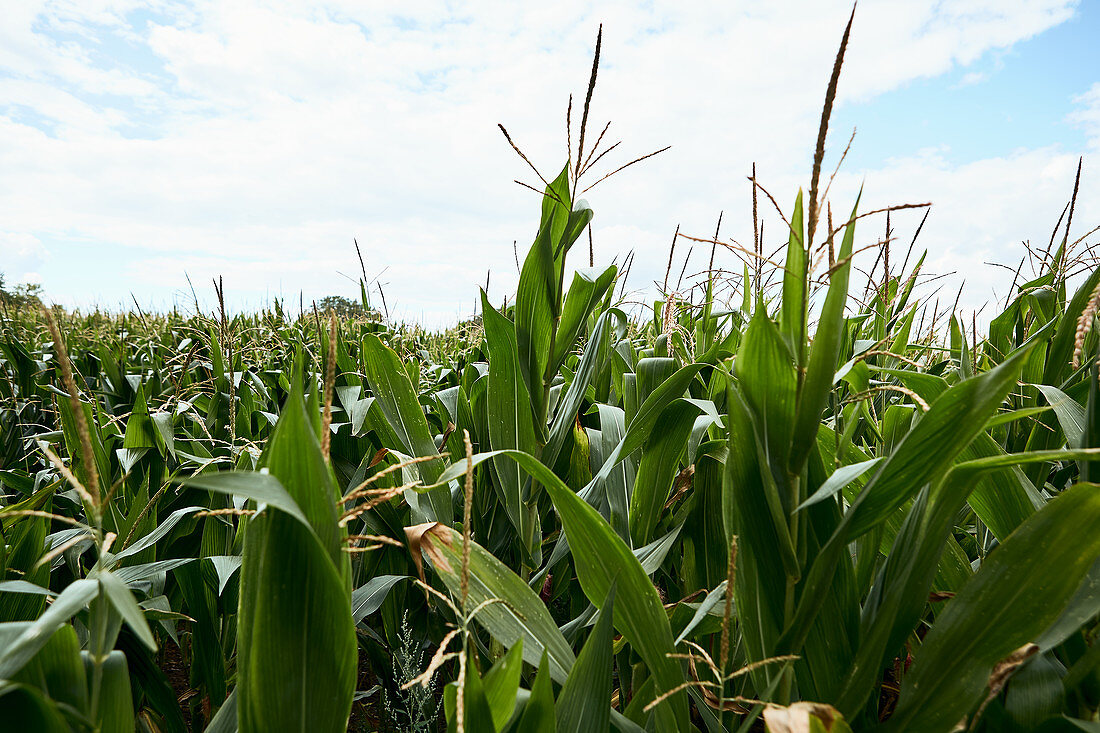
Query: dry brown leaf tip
x=415 y=537
x=1004 y=670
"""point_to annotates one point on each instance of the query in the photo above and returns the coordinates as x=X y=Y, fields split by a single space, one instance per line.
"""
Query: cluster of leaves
x=19 y=298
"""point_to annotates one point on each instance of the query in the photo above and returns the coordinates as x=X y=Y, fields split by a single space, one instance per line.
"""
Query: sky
x=146 y=144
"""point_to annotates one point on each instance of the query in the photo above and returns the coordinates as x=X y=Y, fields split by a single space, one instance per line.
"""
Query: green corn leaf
x=36 y=500
x=710 y=601
x=898 y=598
x=83 y=465
x=1004 y=418
x=651 y=556
x=601 y=558
x=1019 y=591
x=24 y=708
x=396 y=395
x=30 y=637
x=1082 y=608
x=523 y=616
x=116 y=707
x=22 y=586
x=501 y=683
x=657 y=467
x=751 y=510
x=297 y=654
x=765 y=370
x=538 y=294
x=653 y=371
x=538 y=713
x=139 y=426
x=618 y=478
x=511 y=423
x=932 y=446
x=636 y=434
x=900 y=344
x=596 y=353
x=910 y=283
x=579 y=218
x=168 y=523
x=1071 y=415
x=1060 y=354
x=369 y=597
x=58 y=671
x=225 y=720
x=824 y=352
x=706 y=544
x=792 y=318
x=588 y=288
x=584 y=702
x=839 y=480
x=263 y=488
x=476 y=713
x=296 y=638
x=208 y=659
x=123 y=602
x=924 y=455
x=1002 y=500
x=649 y=411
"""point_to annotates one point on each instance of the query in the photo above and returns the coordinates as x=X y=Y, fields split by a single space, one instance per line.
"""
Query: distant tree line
x=26 y=295
x=345 y=307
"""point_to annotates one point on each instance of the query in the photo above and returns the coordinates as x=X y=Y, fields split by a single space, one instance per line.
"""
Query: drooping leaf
x=602 y=558
x=368 y=598
x=123 y=602
x=523 y=615
x=32 y=636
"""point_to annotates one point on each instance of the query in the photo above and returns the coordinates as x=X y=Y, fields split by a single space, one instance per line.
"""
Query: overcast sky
x=140 y=141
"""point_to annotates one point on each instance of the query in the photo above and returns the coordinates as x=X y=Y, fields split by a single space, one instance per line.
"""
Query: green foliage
x=22 y=297
x=345 y=307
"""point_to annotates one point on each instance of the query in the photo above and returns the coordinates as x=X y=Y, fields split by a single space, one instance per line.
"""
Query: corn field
x=775 y=502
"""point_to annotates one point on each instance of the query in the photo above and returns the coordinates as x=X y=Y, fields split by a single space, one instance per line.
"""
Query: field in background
x=776 y=500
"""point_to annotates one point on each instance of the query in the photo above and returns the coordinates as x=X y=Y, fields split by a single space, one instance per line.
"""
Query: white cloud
x=972 y=78
x=23 y=254
x=983 y=212
x=274 y=132
x=1087 y=114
